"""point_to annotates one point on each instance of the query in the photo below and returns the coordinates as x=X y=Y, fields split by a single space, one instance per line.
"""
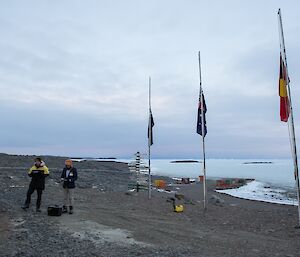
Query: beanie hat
x=38 y=159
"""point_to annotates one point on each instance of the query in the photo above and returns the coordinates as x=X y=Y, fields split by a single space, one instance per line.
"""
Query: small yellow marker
x=178 y=208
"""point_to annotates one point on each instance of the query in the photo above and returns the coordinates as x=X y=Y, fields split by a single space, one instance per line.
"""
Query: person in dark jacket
x=38 y=172
x=68 y=176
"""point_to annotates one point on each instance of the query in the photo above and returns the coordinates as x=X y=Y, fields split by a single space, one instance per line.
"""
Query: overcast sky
x=74 y=77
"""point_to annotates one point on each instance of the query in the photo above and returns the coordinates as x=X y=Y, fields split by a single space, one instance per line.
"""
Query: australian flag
x=199 y=118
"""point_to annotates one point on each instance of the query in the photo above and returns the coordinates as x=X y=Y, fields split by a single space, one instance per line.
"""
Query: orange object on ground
x=159 y=183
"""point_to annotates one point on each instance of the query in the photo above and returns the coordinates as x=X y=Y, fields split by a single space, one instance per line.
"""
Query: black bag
x=54 y=210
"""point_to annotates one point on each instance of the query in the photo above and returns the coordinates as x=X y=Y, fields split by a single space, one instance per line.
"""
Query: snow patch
x=258 y=191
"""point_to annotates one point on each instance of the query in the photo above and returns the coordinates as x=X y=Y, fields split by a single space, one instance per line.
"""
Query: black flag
x=150 y=129
x=199 y=118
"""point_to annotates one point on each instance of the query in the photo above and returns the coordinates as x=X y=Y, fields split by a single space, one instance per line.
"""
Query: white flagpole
x=203 y=131
x=291 y=120
x=149 y=143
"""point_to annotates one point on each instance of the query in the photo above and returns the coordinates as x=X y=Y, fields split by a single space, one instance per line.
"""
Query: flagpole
x=149 y=143
x=203 y=134
x=293 y=139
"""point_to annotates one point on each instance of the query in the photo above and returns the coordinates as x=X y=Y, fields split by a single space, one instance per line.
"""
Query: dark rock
x=216 y=200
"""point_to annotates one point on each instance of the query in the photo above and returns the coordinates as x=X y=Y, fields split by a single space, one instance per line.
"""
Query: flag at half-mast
x=284 y=98
x=150 y=128
x=199 y=117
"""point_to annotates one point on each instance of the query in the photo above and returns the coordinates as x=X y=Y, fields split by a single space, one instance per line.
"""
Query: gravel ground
x=109 y=222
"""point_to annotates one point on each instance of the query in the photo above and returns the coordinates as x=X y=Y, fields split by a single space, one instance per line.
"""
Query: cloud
x=81 y=70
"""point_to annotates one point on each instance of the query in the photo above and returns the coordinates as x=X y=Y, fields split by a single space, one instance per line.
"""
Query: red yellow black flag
x=284 y=99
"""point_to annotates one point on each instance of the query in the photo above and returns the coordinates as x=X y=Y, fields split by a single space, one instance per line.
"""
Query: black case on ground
x=54 y=210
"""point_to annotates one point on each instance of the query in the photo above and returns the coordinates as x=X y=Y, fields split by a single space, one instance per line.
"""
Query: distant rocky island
x=93 y=159
x=185 y=161
x=258 y=163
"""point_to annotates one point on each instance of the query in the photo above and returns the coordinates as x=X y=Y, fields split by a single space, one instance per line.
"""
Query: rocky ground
x=110 y=222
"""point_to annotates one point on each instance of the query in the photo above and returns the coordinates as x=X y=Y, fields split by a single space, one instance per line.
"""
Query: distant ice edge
x=258 y=191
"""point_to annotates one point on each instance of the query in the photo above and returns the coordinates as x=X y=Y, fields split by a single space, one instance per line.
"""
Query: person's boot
x=38 y=209
x=71 y=210
x=64 y=209
x=25 y=206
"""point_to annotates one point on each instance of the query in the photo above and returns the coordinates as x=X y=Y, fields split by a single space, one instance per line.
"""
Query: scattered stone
x=271 y=230
x=216 y=200
x=179 y=196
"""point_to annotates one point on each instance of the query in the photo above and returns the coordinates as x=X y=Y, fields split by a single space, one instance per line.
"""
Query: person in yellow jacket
x=38 y=172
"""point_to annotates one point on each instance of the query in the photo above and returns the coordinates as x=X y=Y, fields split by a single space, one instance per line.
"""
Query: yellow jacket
x=43 y=169
x=38 y=175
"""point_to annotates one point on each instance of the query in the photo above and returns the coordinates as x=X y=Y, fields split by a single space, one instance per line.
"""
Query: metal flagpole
x=203 y=131
x=149 y=143
x=293 y=139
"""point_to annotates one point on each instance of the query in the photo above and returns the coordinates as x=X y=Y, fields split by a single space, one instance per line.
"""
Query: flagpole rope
x=203 y=133
x=290 y=121
x=291 y=125
x=282 y=50
x=149 y=143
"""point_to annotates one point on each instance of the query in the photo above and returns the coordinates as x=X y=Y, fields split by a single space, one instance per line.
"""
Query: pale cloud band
x=81 y=67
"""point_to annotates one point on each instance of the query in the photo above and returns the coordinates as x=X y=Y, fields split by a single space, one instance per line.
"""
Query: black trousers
x=39 y=196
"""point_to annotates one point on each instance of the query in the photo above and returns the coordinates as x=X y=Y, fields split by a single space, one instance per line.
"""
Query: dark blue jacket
x=69 y=182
